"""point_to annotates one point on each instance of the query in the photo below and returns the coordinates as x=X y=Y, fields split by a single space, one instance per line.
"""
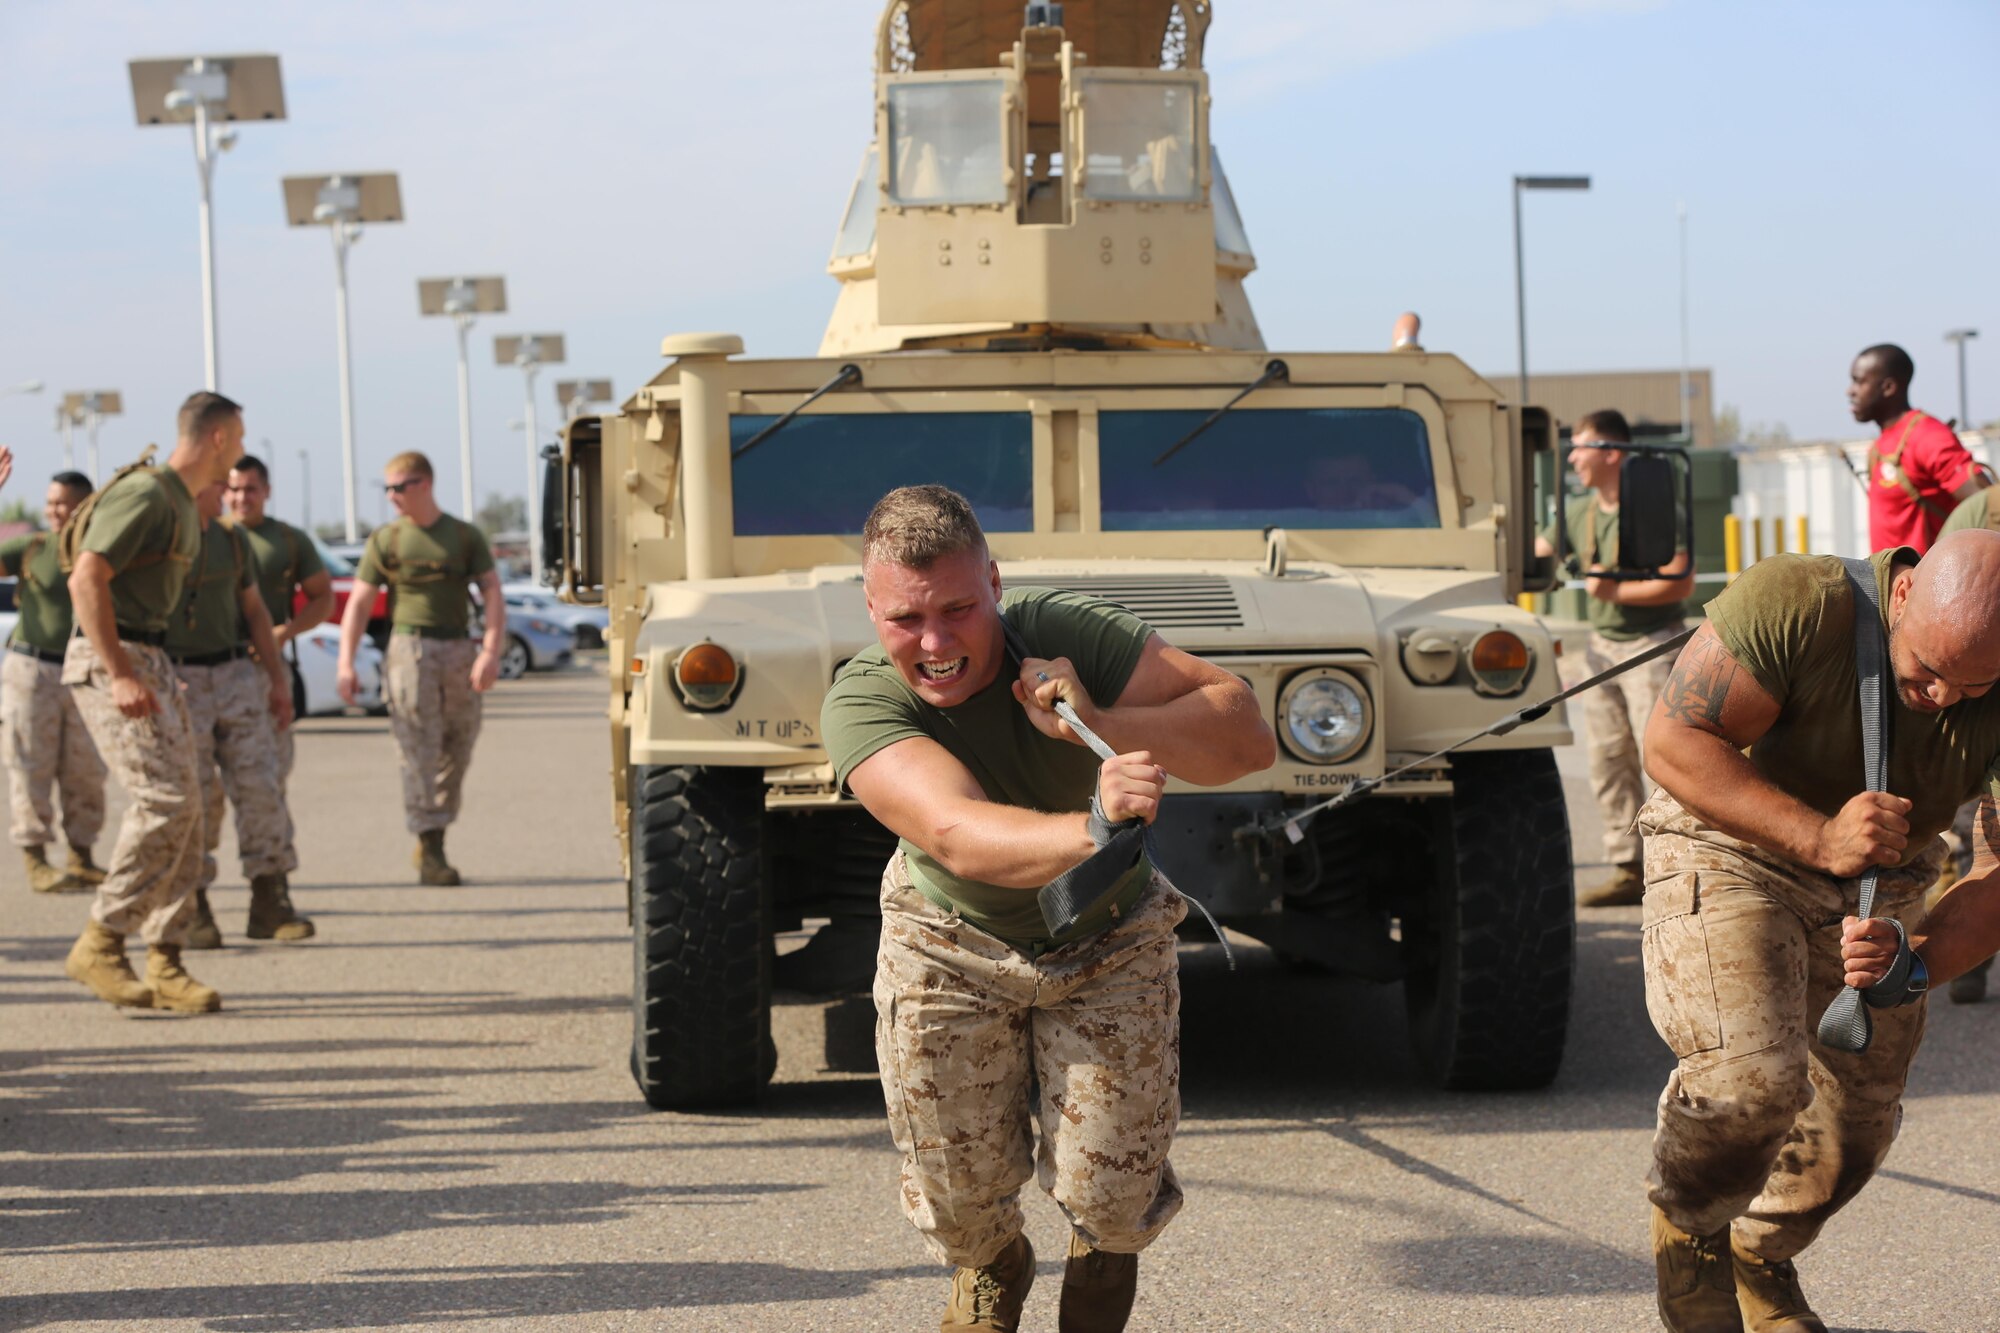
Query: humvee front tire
x=1491 y=956
x=701 y=986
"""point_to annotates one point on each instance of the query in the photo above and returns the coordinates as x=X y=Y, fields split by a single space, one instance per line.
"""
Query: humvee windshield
x=1256 y=468
x=825 y=471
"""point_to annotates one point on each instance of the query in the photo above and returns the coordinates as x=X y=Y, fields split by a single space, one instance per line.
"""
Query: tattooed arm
x=1960 y=931
x=1711 y=711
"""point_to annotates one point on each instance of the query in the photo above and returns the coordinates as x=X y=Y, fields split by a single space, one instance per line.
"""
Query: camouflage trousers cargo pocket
x=1680 y=975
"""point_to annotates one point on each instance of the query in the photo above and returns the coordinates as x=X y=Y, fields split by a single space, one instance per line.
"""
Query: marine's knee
x=1749 y=1099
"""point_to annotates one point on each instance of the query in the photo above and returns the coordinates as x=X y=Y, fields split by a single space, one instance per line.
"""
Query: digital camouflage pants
x=435 y=713
x=149 y=887
x=977 y=1040
x=49 y=751
x=236 y=752
x=1760 y=1125
x=1614 y=722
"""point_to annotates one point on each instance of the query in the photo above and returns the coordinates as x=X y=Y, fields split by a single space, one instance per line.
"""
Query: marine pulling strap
x=1846 y=1024
x=1070 y=896
x=1293 y=823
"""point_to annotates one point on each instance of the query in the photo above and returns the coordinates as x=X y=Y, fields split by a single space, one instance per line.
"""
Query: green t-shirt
x=1593 y=540
x=285 y=558
x=1975 y=511
x=210 y=619
x=41 y=591
x=870 y=707
x=430 y=572
x=146 y=527
x=1789 y=620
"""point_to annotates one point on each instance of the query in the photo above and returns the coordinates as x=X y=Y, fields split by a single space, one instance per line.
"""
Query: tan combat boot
x=991 y=1297
x=1697 y=1292
x=429 y=860
x=98 y=961
x=1097 y=1289
x=173 y=988
x=43 y=877
x=84 y=870
x=204 y=933
x=272 y=916
x=1768 y=1295
x=1624 y=887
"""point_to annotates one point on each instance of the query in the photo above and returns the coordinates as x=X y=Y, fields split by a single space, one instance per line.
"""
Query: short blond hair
x=916 y=526
x=410 y=461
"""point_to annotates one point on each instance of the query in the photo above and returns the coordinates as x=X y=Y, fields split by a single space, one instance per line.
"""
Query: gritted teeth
x=941 y=670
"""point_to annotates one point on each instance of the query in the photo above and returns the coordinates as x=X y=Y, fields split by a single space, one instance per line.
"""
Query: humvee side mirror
x=1655 y=512
x=551 y=518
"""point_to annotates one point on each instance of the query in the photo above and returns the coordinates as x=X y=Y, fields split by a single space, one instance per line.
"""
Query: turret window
x=947 y=143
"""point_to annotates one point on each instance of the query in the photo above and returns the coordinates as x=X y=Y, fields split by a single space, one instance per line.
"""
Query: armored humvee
x=1042 y=305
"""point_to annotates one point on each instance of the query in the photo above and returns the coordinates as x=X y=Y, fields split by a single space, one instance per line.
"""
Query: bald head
x=1945 y=618
x=1408 y=328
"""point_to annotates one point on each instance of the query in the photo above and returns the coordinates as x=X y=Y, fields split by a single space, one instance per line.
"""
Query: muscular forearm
x=311 y=615
x=353 y=621
x=1657 y=592
x=90 y=595
x=258 y=621
x=1963 y=929
x=494 y=608
x=1208 y=736
x=1006 y=845
x=1715 y=781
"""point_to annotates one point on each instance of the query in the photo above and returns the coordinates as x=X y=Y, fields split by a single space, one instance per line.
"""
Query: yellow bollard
x=1777 y=536
x=1732 y=545
x=1804 y=545
x=1526 y=601
x=1756 y=540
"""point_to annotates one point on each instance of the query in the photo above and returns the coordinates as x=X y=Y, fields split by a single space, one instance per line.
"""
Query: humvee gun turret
x=1041 y=304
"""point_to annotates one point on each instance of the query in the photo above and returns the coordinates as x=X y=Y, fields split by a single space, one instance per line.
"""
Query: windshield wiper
x=849 y=374
x=1273 y=370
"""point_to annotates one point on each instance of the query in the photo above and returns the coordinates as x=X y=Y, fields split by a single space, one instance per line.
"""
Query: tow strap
x=1846 y=1024
x=1072 y=895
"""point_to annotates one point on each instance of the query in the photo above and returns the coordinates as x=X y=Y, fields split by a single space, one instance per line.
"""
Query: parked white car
x=586 y=623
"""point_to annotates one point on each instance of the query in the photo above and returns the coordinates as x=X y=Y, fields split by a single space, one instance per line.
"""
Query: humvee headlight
x=1326 y=715
x=707 y=676
x=1500 y=663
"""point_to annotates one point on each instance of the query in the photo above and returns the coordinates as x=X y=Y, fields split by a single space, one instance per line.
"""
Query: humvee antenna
x=849 y=374
x=1273 y=370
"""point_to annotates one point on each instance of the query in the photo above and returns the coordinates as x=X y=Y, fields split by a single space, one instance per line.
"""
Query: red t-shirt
x=1936 y=464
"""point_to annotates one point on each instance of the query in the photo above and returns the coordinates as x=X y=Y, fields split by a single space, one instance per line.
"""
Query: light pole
x=306 y=490
x=531 y=351
x=576 y=397
x=25 y=386
x=1520 y=281
x=66 y=424
x=1686 y=426
x=89 y=409
x=200 y=91
x=1961 y=336
x=462 y=299
x=342 y=204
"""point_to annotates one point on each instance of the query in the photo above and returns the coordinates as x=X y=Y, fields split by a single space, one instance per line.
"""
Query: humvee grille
x=1164 y=601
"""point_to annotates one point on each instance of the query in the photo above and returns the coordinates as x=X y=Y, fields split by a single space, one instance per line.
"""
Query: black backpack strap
x=1846 y=1025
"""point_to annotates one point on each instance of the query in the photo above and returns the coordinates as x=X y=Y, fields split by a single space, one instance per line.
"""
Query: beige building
x=1650 y=399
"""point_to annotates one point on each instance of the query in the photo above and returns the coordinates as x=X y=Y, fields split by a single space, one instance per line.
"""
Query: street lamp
x=342 y=204
x=531 y=351
x=576 y=397
x=1960 y=336
x=66 y=423
x=1520 y=283
x=89 y=410
x=25 y=386
x=306 y=490
x=462 y=298
x=199 y=91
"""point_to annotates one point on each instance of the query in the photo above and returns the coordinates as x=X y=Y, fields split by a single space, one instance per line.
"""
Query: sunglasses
x=398 y=487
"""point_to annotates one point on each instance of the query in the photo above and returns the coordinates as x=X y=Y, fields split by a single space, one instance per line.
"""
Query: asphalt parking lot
x=424 y=1119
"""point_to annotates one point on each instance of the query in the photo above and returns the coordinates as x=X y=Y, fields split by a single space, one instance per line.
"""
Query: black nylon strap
x=1846 y=1026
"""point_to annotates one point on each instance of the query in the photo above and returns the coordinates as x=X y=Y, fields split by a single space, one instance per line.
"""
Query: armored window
x=857 y=226
x=1321 y=467
x=1139 y=139
x=823 y=473
x=1229 y=234
x=947 y=142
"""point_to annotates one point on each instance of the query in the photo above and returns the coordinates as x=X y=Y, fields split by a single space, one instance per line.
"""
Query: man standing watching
x=238 y=707
x=1755 y=845
x=134 y=547
x=435 y=673
x=288 y=568
x=1627 y=617
x=1917 y=469
x=48 y=748
x=955 y=747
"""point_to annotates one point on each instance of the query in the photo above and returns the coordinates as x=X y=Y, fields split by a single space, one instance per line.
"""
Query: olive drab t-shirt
x=1975 y=511
x=430 y=572
x=285 y=558
x=871 y=707
x=210 y=618
x=1593 y=540
x=1789 y=620
x=41 y=591
x=146 y=527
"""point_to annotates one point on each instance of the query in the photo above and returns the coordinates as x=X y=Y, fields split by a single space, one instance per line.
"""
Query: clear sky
x=640 y=167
